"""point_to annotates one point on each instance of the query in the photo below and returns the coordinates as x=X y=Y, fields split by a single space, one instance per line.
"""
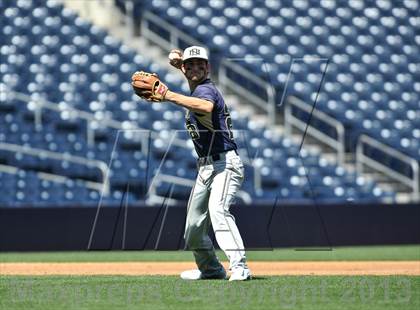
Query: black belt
x=215 y=157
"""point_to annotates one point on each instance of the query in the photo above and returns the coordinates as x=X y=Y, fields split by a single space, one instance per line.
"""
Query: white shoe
x=240 y=274
x=196 y=274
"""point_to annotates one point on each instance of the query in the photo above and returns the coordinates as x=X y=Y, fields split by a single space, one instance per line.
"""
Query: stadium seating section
x=372 y=80
x=49 y=53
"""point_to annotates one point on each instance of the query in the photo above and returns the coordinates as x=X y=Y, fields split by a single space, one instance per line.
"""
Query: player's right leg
x=196 y=235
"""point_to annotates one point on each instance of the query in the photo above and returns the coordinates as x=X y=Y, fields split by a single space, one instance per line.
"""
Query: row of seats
x=292 y=173
x=28 y=189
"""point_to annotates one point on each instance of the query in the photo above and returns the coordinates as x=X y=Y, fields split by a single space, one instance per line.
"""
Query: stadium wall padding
x=161 y=228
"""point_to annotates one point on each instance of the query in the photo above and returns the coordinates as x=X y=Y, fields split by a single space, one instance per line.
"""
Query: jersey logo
x=192 y=128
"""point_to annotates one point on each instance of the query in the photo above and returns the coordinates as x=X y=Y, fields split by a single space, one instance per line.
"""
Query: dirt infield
x=174 y=268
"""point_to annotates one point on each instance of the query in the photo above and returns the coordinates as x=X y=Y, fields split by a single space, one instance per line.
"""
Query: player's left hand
x=148 y=86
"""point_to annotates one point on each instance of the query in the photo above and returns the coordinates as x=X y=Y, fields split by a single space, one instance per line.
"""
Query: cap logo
x=195 y=52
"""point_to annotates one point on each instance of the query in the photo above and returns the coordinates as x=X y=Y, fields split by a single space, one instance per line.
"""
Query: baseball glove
x=148 y=86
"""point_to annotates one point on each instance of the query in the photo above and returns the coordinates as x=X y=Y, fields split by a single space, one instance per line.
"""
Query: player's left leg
x=225 y=184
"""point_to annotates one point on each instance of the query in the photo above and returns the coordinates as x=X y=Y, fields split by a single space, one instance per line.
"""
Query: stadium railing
x=363 y=159
x=40 y=104
x=291 y=120
x=103 y=186
x=168 y=37
x=267 y=104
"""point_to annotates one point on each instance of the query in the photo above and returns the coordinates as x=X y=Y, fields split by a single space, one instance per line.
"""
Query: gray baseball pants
x=211 y=197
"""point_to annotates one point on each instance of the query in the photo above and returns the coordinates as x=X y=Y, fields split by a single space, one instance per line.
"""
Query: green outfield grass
x=159 y=292
x=409 y=252
x=170 y=292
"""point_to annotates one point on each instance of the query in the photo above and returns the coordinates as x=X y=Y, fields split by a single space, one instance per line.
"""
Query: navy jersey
x=210 y=132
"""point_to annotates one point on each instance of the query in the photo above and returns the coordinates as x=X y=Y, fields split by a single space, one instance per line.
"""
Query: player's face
x=196 y=70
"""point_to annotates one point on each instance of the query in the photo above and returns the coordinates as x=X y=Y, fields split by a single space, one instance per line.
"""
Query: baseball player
x=220 y=169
